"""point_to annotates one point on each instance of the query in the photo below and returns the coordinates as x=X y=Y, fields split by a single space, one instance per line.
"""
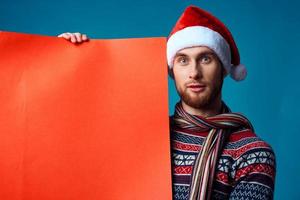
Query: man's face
x=198 y=76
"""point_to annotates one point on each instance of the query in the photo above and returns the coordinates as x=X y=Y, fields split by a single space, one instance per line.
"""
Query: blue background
x=266 y=32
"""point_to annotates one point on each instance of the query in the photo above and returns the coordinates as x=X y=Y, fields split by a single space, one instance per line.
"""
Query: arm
x=255 y=174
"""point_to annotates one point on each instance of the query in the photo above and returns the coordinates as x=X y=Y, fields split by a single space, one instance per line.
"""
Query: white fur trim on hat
x=199 y=36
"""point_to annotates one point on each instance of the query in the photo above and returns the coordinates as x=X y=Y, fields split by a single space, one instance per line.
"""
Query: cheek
x=180 y=73
x=212 y=73
x=179 y=77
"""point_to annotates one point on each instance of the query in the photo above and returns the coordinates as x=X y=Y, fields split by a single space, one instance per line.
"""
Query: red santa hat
x=197 y=27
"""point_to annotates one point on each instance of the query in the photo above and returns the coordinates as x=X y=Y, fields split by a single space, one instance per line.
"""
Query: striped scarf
x=219 y=127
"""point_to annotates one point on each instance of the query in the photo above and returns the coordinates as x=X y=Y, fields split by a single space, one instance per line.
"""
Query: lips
x=196 y=87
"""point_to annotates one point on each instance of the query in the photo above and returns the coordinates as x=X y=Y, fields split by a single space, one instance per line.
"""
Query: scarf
x=219 y=127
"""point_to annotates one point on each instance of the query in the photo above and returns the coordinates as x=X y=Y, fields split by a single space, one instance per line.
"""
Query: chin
x=196 y=101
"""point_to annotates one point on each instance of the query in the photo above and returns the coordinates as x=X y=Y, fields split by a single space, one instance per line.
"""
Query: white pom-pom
x=238 y=72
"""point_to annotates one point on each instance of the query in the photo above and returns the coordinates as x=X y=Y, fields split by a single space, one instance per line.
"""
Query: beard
x=203 y=99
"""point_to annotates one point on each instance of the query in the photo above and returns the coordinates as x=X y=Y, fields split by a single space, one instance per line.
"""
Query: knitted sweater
x=245 y=170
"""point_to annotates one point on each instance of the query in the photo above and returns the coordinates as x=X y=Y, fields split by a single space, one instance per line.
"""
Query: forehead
x=195 y=50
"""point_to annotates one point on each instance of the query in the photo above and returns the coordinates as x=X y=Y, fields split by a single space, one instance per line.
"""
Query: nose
x=195 y=71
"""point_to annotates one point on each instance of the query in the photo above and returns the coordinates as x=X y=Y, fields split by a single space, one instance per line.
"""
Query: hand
x=74 y=37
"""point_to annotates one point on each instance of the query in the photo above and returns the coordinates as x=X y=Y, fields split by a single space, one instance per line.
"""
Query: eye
x=205 y=59
x=182 y=60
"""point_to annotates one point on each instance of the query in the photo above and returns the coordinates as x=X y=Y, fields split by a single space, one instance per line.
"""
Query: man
x=215 y=152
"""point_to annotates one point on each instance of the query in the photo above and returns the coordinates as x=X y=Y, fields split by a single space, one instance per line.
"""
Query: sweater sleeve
x=254 y=174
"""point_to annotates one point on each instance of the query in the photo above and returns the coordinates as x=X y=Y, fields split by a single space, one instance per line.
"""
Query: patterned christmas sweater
x=245 y=170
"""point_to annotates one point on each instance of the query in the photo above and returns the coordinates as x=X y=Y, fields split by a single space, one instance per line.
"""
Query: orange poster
x=83 y=122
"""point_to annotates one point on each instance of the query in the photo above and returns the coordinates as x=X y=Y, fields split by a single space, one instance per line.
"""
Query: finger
x=61 y=35
x=73 y=37
x=84 y=37
x=65 y=35
x=78 y=37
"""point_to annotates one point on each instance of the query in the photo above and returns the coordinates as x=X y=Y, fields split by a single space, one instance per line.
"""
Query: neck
x=211 y=109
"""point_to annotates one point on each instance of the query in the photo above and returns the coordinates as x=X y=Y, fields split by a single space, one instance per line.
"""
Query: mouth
x=196 y=87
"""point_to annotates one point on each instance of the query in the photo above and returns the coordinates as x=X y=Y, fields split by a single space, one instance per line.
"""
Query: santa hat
x=197 y=27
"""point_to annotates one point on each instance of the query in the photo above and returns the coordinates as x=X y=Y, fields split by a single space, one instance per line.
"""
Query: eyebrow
x=179 y=54
x=201 y=54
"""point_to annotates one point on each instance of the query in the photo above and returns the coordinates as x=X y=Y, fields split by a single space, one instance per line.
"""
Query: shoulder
x=246 y=145
x=246 y=142
x=252 y=156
